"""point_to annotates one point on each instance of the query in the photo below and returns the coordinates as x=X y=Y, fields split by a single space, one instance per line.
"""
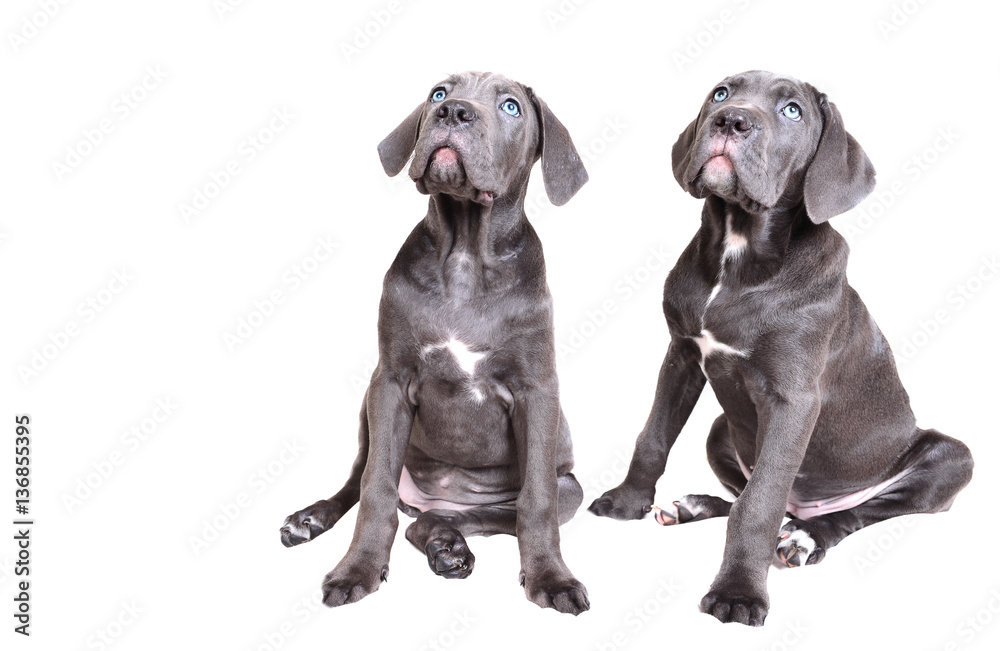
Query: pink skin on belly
x=411 y=494
x=805 y=510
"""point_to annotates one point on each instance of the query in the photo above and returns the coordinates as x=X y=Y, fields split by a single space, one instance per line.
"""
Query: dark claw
x=289 y=539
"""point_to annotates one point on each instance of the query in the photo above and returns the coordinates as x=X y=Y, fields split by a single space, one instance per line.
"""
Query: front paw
x=350 y=582
x=303 y=526
x=556 y=590
x=623 y=503
x=736 y=605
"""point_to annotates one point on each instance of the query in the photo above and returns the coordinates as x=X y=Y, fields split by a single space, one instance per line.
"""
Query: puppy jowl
x=813 y=382
x=464 y=386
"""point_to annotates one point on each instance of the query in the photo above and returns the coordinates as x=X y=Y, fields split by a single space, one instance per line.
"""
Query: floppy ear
x=680 y=155
x=562 y=169
x=840 y=175
x=395 y=150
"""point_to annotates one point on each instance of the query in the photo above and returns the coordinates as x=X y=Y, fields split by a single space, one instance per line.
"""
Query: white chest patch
x=465 y=358
x=734 y=244
x=709 y=345
x=711 y=297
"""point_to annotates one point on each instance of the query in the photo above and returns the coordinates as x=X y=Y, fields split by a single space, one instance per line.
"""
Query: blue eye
x=438 y=94
x=720 y=95
x=510 y=107
x=792 y=112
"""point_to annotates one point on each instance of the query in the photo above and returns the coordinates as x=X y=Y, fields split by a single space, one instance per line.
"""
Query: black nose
x=734 y=122
x=456 y=113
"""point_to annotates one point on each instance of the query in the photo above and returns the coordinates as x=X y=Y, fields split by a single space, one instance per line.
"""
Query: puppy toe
x=797 y=546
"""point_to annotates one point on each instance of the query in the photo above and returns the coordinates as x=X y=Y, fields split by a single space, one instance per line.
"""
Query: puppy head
x=761 y=139
x=476 y=137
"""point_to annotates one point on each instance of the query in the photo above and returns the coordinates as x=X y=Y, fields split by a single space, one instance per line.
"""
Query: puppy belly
x=421 y=500
x=805 y=509
x=456 y=493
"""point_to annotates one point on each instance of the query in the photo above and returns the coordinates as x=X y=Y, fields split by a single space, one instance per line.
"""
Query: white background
x=614 y=74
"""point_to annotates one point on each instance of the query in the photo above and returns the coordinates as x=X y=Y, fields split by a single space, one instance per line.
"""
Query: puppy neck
x=484 y=233
x=748 y=248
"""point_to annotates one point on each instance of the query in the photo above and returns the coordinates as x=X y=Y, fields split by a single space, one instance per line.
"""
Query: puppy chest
x=454 y=372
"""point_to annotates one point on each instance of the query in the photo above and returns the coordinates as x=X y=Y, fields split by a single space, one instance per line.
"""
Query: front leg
x=680 y=383
x=546 y=579
x=366 y=564
x=739 y=591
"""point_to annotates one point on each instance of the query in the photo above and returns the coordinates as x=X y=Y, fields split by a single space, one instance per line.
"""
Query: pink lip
x=719 y=160
x=445 y=156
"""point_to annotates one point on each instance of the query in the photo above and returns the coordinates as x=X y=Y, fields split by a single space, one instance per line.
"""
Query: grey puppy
x=815 y=421
x=461 y=425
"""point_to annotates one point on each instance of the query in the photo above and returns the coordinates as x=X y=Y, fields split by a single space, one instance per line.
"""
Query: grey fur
x=476 y=424
x=812 y=403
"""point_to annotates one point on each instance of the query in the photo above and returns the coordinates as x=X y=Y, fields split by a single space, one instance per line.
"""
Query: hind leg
x=304 y=525
x=441 y=533
x=937 y=467
x=726 y=466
